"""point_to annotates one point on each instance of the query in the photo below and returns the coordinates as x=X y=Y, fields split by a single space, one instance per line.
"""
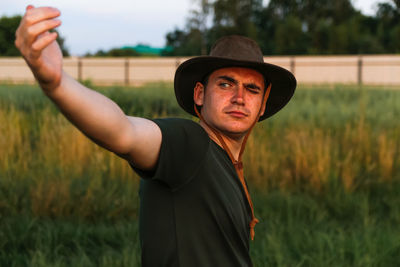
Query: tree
x=198 y=22
x=193 y=40
x=235 y=17
x=8 y=27
x=185 y=43
x=292 y=27
x=290 y=38
x=303 y=26
x=61 y=43
x=228 y=17
x=397 y=3
x=388 y=27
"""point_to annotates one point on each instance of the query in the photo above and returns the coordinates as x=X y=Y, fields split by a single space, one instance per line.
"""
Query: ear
x=198 y=94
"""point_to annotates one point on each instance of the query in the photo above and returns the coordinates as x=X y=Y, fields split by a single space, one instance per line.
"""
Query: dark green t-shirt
x=193 y=209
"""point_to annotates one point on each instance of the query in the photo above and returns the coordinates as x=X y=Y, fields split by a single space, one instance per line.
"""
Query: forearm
x=95 y=115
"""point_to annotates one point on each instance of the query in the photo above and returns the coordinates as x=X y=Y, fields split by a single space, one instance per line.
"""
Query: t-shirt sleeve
x=183 y=148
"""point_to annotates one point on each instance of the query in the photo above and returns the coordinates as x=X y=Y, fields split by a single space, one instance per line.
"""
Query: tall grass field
x=324 y=174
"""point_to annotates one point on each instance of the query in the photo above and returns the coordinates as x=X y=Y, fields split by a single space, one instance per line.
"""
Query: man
x=195 y=207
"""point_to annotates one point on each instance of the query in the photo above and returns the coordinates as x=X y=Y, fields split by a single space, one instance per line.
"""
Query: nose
x=238 y=97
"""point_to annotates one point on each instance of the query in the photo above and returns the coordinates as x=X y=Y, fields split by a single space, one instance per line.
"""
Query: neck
x=233 y=141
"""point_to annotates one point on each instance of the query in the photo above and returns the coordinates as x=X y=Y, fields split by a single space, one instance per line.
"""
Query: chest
x=216 y=192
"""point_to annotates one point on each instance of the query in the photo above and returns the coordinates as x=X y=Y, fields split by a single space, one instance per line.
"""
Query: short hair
x=205 y=80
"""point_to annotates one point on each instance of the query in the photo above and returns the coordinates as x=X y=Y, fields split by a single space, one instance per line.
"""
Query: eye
x=253 y=90
x=224 y=85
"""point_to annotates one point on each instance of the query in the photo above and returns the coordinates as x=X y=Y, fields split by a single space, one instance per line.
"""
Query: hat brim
x=195 y=69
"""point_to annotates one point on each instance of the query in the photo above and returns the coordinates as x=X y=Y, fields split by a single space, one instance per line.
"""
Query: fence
x=366 y=70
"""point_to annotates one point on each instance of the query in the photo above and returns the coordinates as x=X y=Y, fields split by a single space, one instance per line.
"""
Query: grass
x=30 y=241
x=334 y=229
x=324 y=175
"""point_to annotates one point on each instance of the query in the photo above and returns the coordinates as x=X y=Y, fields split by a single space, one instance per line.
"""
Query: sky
x=90 y=25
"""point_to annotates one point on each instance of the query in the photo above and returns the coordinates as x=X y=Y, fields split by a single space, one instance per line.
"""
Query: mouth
x=237 y=114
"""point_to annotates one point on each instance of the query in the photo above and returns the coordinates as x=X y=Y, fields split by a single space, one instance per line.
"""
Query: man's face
x=232 y=99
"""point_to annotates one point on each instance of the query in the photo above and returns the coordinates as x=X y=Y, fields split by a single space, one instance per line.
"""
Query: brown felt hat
x=234 y=51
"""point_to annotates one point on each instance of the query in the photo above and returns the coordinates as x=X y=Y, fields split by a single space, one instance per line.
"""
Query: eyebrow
x=228 y=78
x=232 y=80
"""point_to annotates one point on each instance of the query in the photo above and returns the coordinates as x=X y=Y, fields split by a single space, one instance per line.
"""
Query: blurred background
x=324 y=172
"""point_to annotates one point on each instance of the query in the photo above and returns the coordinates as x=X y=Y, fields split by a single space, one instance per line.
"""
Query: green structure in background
x=146 y=50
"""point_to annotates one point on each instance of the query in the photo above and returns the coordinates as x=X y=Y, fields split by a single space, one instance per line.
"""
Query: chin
x=232 y=128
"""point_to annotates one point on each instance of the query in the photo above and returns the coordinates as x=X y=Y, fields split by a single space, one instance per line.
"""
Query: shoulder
x=179 y=126
x=176 y=122
x=184 y=147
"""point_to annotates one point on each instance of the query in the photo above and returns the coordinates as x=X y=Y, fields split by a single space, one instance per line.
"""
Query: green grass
x=27 y=241
x=334 y=229
x=324 y=175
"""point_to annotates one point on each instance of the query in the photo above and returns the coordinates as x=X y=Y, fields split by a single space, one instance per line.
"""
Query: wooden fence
x=366 y=70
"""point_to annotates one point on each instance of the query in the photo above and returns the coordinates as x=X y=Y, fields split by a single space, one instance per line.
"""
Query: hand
x=38 y=46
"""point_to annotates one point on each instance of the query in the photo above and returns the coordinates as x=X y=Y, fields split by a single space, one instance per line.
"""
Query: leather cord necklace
x=238 y=164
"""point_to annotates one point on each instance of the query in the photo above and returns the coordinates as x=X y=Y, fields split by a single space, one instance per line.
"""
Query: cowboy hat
x=234 y=51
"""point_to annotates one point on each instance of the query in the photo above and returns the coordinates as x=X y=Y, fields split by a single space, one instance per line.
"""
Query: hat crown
x=238 y=48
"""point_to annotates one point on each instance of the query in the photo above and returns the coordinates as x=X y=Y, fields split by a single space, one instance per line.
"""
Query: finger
x=35 y=15
x=35 y=30
x=29 y=7
x=43 y=41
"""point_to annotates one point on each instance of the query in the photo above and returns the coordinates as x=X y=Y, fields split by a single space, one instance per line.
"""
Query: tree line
x=282 y=27
x=291 y=27
x=8 y=27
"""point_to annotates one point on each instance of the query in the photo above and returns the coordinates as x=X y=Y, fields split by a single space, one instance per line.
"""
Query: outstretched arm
x=136 y=139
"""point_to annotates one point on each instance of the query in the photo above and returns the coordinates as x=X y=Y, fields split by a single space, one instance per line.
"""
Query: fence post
x=359 y=70
x=292 y=65
x=126 y=71
x=79 y=69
